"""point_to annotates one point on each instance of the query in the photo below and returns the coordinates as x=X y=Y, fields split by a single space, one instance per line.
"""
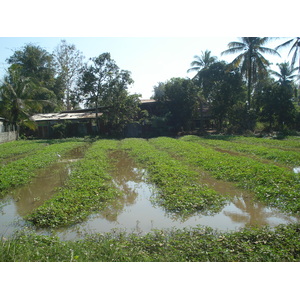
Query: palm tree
x=17 y=94
x=202 y=62
x=251 y=60
x=285 y=75
x=295 y=47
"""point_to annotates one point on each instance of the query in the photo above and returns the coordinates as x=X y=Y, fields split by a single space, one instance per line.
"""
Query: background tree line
x=242 y=95
x=41 y=82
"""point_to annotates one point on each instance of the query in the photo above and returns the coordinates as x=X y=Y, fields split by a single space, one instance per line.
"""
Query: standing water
x=136 y=212
x=24 y=199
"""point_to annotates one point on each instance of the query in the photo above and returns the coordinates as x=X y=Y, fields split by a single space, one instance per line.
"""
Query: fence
x=7 y=133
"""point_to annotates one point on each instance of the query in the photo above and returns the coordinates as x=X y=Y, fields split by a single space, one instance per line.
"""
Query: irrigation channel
x=137 y=210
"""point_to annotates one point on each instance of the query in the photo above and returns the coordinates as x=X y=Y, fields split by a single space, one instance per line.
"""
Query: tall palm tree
x=252 y=62
x=17 y=93
x=202 y=62
x=295 y=42
x=285 y=74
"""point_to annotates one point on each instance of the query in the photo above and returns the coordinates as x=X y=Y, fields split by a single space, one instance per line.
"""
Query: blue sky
x=150 y=60
x=154 y=40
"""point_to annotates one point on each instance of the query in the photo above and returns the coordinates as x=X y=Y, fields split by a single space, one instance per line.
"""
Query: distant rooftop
x=143 y=101
x=64 y=116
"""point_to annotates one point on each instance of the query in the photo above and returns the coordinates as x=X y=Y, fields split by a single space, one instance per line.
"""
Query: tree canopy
x=227 y=97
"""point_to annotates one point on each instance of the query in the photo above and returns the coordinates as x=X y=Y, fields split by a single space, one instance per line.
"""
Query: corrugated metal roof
x=147 y=101
x=64 y=116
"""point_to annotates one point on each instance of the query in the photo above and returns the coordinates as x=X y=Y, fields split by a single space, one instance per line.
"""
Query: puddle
x=135 y=212
x=296 y=170
x=24 y=199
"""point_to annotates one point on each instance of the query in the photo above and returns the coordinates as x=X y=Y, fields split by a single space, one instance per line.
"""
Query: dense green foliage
x=88 y=190
x=173 y=164
x=179 y=185
x=199 y=244
x=272 y=184
x=287 y=157
x=12 y=149
x=20 y=171
x=227 y=97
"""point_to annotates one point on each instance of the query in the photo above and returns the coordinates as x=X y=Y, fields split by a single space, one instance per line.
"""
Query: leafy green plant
x=179 y=185
x=271 y=184
x=88 y=189
x=20 y=171
x=288 y=157
x=281 y=244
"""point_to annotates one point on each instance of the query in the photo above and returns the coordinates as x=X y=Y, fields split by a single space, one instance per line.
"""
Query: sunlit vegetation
x=272 y=184
x=12 y=149
x=287 y=157
x=179 y=185
x=200 y=244
x=88 y=190
x=20 y=171
x=174 y=166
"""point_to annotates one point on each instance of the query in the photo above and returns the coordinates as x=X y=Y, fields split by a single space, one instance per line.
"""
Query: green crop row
x=289 y=158
x=272 y=184
x=12 y=149
x=88 y=189
x=20 y=171
x=179 y=185
x=287 y=143
x=198 y=244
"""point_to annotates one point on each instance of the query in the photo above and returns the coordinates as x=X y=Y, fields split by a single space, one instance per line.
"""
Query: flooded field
x=137 y=210
x=24 y=199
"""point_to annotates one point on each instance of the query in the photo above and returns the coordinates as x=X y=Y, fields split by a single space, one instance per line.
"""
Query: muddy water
x=23 y=200
x=135 y=211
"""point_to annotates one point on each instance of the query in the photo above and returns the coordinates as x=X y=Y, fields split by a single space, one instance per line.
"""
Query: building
x=66 y=124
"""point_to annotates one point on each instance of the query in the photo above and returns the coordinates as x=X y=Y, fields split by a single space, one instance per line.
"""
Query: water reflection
x=136 y=210
x=24 y=199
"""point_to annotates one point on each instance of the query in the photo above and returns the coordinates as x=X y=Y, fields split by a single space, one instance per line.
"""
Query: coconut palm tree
x=251 y=59
x=295 y=42
x=285 y=75
x=18 y=103
x=202 y=62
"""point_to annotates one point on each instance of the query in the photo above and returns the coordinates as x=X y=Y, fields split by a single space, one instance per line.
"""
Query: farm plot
x=88 y=189
x=271 y=184
x=179 y=185
x=285 y=157
x=291 y=143
x=20 y=171
x=13 y=150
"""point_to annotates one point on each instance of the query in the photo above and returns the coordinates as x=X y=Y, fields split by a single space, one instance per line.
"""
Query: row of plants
x=12 y=149
x=290 y=142
x=199 y=244
x=88 y=189
x=288 y=157
x=271 y=184
x=180 y=188
x=20 y=171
